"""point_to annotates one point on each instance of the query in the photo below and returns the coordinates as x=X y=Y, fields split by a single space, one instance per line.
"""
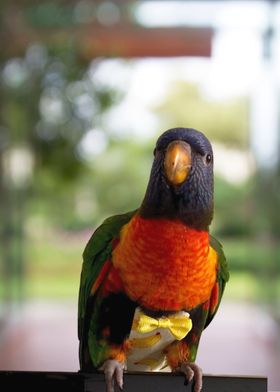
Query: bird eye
x=208 y=159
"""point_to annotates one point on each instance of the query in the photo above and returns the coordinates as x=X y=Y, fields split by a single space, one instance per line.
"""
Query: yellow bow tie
x=179 y=326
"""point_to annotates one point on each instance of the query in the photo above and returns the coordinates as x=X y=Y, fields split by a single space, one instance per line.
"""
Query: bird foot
x=192 y=372
x=113 y=371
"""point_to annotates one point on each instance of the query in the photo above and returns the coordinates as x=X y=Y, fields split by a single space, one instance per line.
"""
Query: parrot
x=152 y=279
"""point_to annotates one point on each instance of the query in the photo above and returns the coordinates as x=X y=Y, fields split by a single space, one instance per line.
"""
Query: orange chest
x=165 y=265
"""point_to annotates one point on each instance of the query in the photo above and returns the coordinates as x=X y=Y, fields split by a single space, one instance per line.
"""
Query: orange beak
x=177 y=162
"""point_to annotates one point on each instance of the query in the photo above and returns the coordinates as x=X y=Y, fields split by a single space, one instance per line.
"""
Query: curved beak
x=177 y=162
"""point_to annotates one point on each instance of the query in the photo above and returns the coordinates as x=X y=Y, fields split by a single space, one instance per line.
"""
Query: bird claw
x=192 y=372
x=113 y=371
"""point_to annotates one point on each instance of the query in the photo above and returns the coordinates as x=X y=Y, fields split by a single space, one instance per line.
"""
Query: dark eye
x=208 y=159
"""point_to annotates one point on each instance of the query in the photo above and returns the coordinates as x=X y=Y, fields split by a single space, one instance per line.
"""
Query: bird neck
x=193 y=209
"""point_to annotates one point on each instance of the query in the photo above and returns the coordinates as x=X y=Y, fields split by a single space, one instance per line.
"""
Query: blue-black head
x=181 y=180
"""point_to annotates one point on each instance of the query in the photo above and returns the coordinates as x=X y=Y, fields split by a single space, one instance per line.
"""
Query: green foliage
x=50 y=14
x=48 y=104
x=54 y=266
x=120 y=177
x=51 y=107
x=234 y=208
x=223 y=121
x=267 y=200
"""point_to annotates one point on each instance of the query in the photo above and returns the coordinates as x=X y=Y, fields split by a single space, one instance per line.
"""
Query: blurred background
x=86 y=88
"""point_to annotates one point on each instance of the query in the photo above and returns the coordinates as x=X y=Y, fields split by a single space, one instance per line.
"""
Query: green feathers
x=223 y=266
x=96 y=252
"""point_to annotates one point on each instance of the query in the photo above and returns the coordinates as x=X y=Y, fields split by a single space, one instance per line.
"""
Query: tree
x=49 y=103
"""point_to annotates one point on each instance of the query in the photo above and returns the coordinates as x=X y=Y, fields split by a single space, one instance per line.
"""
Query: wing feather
x=222 y=279
x=97 y=251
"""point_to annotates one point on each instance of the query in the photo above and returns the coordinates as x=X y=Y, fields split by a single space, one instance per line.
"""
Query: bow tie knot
x=178 y=325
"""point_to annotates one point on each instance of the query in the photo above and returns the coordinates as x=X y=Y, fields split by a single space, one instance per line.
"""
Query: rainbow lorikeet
x=152 y=279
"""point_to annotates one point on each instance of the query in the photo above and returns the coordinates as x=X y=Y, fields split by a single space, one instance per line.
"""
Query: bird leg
x=192 y=372
x=113 y=371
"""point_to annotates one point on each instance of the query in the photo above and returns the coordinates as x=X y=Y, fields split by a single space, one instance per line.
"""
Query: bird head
x=181 y=180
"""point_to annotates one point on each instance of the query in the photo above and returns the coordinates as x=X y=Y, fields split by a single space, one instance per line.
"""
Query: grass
x=242 y=286
x=251 y=255
x=54 y=266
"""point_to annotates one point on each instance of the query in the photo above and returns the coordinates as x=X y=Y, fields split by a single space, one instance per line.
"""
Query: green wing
x=97 y=251
x=222 y=279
